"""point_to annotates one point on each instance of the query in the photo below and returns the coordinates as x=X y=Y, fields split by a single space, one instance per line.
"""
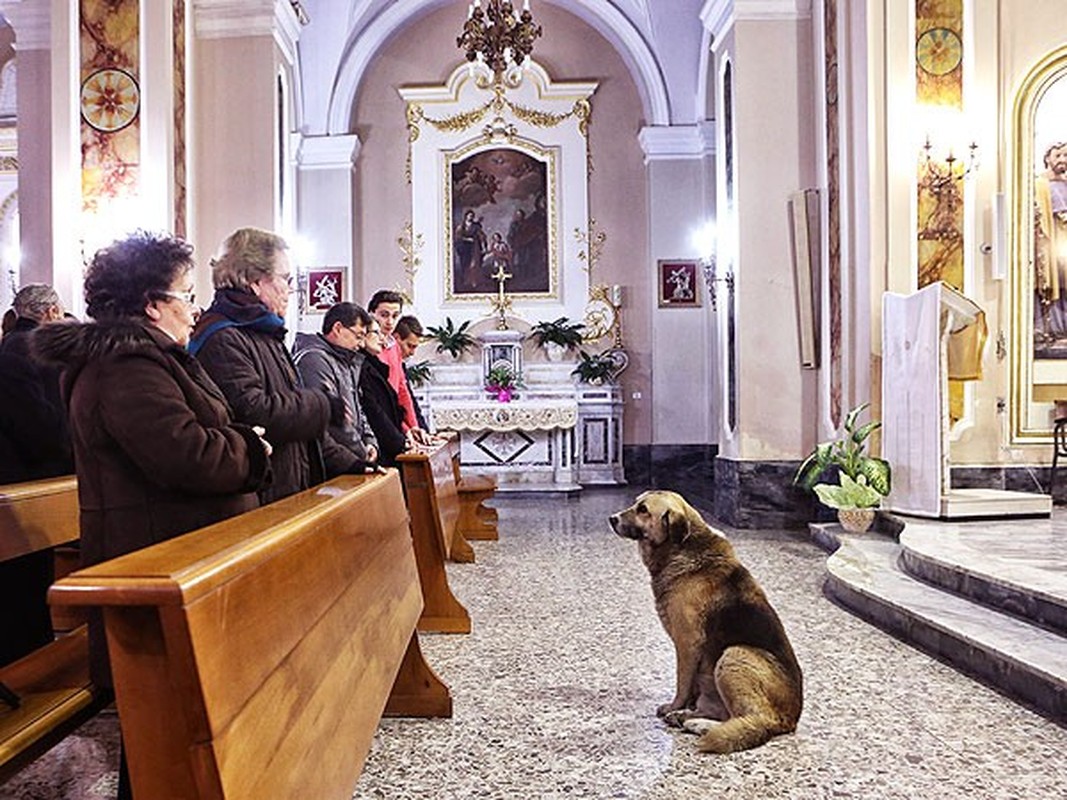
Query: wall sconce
x=705 y=242
x=940 y=180
x=711 y=278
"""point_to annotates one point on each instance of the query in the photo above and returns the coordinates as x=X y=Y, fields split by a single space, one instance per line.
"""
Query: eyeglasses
x=288 y=278
x=375 y=332
x=188 y=297
x=359 y=333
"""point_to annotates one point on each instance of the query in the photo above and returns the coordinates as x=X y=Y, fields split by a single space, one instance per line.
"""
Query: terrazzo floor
x=555 y=691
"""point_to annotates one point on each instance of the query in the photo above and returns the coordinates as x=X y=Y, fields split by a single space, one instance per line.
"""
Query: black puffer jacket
x=242 y=346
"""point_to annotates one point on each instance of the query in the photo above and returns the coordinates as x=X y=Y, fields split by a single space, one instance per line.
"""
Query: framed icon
x=677 y=280
x=325 y=287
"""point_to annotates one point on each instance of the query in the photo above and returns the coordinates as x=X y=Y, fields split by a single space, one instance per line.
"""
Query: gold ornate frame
x=1034 y=382
x=535 y=151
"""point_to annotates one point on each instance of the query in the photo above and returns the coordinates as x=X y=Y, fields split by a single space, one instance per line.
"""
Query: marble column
x=769 y=151
x=242 y=52
x=48 y=152
x=325 y=208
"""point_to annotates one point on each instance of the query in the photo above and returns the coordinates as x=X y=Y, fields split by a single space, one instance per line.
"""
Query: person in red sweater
x=386 y=306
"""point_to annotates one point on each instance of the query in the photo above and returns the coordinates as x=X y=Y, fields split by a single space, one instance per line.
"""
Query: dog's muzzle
x=622 y=529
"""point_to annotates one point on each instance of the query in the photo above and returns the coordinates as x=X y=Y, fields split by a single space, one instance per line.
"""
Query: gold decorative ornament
x=410 y=244
x=938 y=51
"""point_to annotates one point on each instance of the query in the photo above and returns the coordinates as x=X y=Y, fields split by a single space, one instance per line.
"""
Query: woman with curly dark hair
x=156 y=451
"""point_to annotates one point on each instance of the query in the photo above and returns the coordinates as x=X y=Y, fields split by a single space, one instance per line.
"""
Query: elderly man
x=34 y=444
x=331 y=362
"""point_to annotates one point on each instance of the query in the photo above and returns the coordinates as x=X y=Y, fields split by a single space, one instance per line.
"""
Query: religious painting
x=678 y=284
x=500 y=224
x=1039 y=219
x=325 y=287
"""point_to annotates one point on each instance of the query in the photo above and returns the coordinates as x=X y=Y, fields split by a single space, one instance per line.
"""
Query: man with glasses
x=331 y=362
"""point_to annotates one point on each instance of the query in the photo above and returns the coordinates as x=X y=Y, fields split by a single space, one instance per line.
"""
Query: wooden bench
x=477 y=521
x=254 y=658
x=52 y=683
x=430 y=488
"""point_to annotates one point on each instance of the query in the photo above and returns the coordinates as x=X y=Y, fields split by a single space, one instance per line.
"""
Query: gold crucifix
x=501 y=303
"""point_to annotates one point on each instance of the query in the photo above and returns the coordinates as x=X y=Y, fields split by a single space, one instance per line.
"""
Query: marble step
x=1019 y=658
x=1021 y=572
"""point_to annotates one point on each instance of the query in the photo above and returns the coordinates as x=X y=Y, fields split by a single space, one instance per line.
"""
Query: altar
x=555 y=434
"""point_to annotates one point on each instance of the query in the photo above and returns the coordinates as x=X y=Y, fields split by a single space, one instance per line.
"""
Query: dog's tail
x=740 y=733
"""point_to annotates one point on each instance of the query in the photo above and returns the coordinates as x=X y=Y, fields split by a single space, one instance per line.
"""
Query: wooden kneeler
x=477 y=522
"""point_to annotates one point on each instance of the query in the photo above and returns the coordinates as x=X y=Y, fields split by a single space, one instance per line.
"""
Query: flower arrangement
x=502 y=381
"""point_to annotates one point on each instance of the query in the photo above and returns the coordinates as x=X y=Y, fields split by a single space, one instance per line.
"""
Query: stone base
x=760 y=494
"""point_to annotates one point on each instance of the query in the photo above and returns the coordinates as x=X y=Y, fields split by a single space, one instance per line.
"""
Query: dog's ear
x=675 y=526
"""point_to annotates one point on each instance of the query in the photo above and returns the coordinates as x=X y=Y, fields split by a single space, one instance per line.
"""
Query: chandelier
x=498 y=37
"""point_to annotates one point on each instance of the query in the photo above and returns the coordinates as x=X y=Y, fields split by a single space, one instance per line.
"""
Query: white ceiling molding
x=719 y=16
x=32 y=22
x=604 y=17
x=223 y=19
x=677 y=142
x=328 y=152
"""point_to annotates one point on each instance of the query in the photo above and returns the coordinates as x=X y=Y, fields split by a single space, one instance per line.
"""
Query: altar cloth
x=492 y=415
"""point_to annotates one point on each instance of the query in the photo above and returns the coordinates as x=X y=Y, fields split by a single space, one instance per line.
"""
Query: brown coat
x=155 y=449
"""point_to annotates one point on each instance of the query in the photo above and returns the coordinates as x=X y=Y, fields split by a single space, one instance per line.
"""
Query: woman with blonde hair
x=240 y=340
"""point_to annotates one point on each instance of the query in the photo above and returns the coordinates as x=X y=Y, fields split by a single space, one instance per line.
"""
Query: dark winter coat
x=156 y=451
x=382 y=408
x=242 y=346
x=335 y=371
x=34 y=442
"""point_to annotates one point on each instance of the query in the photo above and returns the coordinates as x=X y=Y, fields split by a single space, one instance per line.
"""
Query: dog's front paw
x=699 y=725
x=667 y=708
x=677 y=718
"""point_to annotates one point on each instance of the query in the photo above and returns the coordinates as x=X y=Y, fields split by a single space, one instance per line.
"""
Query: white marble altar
x=555 y=435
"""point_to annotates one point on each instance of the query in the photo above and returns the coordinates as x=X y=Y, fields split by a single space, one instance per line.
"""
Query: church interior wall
x=425 y=53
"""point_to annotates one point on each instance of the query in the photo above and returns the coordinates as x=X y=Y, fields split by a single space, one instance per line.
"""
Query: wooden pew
x=52 y=683
x=254 y=658
x=430 y=488
x=477 y=521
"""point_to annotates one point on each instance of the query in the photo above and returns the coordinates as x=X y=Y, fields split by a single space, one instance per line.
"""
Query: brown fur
x=734 y=660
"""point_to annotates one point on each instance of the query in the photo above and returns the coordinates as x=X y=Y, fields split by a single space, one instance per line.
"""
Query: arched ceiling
x=658 y=41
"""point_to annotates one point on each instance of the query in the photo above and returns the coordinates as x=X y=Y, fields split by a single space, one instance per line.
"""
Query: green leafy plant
x=450 y=338
x=863 y=479
x=849 y=494
x=559 y=331
x=419 y=374
x=596 y=368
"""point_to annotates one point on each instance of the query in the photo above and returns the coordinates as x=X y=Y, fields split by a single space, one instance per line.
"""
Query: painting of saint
x=499 y=219
x=1050 y=225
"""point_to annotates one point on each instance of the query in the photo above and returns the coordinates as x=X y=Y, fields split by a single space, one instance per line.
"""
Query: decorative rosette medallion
x=110 y=100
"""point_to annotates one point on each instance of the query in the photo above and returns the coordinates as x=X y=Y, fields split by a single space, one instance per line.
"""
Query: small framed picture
x=325 y=287
x=678 y=283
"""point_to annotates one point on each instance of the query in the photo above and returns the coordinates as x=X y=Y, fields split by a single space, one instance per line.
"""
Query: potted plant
x=863 y=479
x=595 y=369
x=450 y=339
x=557 y=336
x=502 y=381
x=419 y=374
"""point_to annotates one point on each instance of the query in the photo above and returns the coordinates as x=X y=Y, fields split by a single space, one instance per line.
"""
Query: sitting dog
x=738 y=682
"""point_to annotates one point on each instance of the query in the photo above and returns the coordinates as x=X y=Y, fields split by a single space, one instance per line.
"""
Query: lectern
x=916 y=362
